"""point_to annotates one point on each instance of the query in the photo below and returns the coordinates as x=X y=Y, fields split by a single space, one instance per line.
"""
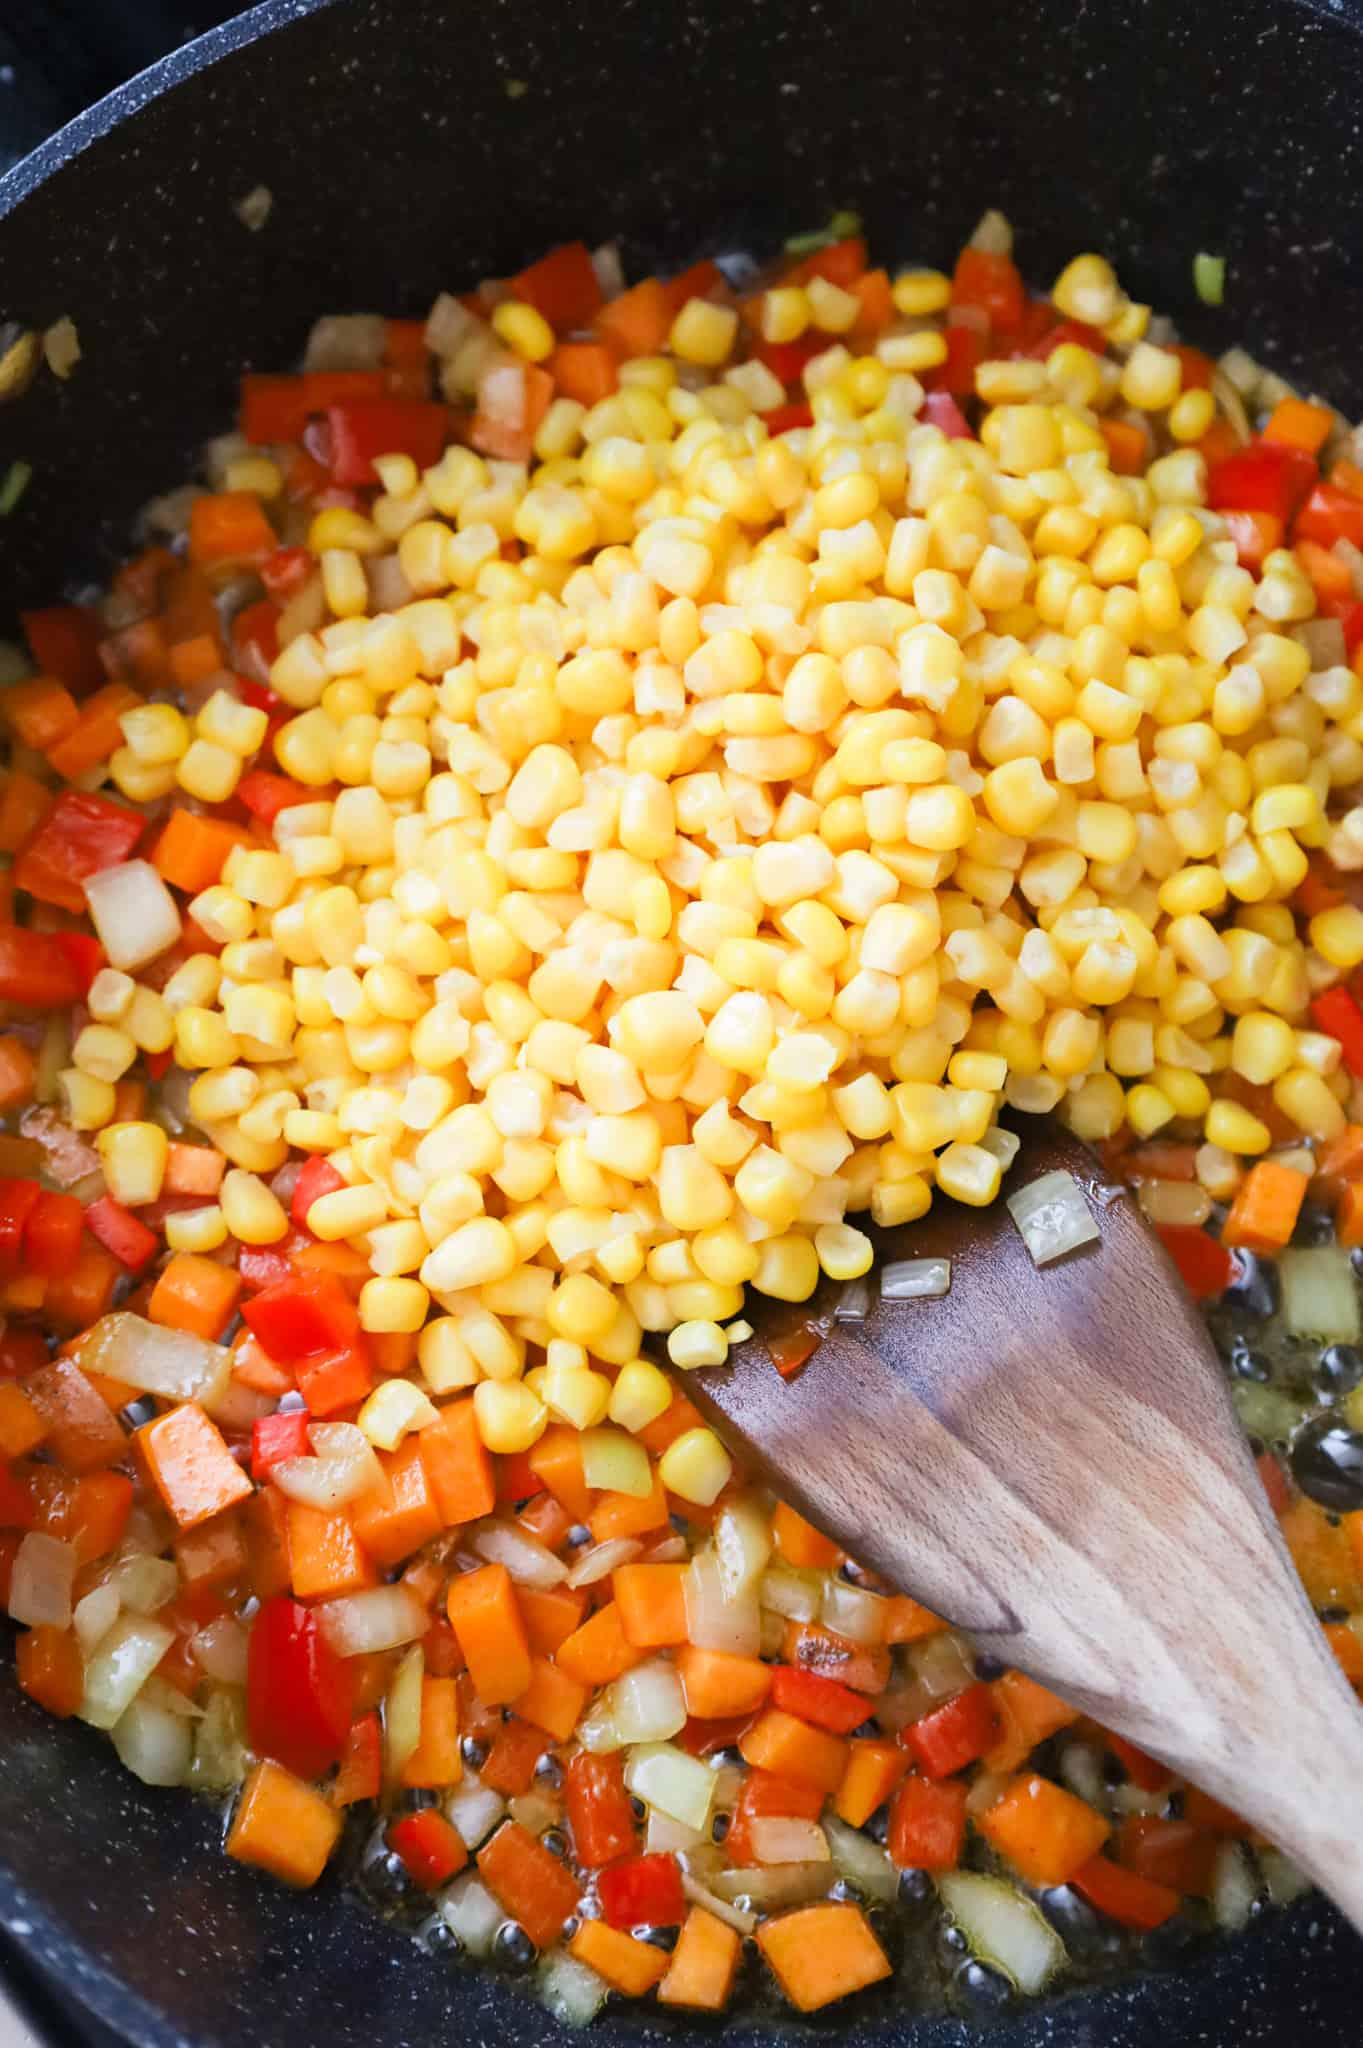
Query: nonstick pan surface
x=415 y=145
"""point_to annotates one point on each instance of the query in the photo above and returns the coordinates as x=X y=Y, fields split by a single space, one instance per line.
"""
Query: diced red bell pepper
x=763 y=1795
x=820 y=1700
x=955 y=1734
x=340 y=1380
x=1125 y=1896
x=83 y=954
x=430 y=1848
x=307 y=1316
x=286 y=571
x=1169 y=1852
x=598 y=1807
x=786 y=359
x=121 y=1233
x=1274 y=1480
x=1265 y=477
x=1198 y=367
x=318 y=1177
x=265 y=795
x=299 y=1693
x=22 y=1351
x=52 y=1234
x=562 y=286
x=275 y=409
x=264 y=1265
x=1256 y=535
x=18 y=1200
x=941 y=410
x=1335 y=1012
x=1205 y=1267
x=81 y=835
x=703 y=1735
x=966 y=350
x=64 y=642
x=1352 y=622
x=840 y=263
x=1330 y=514
x=991 y=281
x=783 y=419
x=16 y=1508
x=1067 y=334
x=642 y=1891
x=37 y=970
x=1145 y=1771
x=275 y=1438
x=361 y=1773
x=255 y=634
x=927 y=1824
x=385 y=426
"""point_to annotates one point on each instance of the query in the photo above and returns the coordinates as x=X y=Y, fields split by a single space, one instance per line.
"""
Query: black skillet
x=413 y=145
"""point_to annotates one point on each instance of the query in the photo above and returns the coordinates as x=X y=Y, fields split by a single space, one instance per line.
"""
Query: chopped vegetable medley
x=607 y=789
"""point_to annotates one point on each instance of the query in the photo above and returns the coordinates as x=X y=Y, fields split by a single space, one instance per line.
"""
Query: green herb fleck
x=515 y=88
x=842 y=224
x=1209 y=278
x=15 y=484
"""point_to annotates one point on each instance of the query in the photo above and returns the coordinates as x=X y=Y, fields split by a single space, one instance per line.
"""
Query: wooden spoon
x=1048 y=1458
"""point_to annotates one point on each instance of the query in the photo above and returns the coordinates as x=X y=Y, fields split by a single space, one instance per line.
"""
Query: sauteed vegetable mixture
x=607 y=789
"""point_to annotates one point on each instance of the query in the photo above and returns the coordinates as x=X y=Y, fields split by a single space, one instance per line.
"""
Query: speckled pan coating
x=417 y=144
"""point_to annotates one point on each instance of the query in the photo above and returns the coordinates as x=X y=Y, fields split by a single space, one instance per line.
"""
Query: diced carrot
x=458 y=1465
x=1205 y=1812
x=651 y=1600
x=553 y=1700
x=1329 y=577
x=1328 y=1555
x=24 y=802
x=195 y=660
x=193 y=1170
x=436 y=1761
x=40 y=712
x=487 y=1620
x=528 y=1882
x=800 y=1544
x=821 y=1953
x=600 y=1650
x=1028 y=1714
x=230 y=526
x=811 y=1647
x=51 y=1670
x=283 y=1826
x=907 y=1622
x=429 y=1846
x=584 y=370
x=660 y=1434
x=790 y=1748
x=877 y=306
x=562 y=285
x=716 y=1683
x=629 y=1514
x=550 y=1615
x=97 y=736
x=546 y=1520
x=700 y=1975
x=79 y=1298
x=1296 y=423
x=1045 y=1832
x=195 y=1473
x=22 y=1428
x=872 y=1771
x=214 y=1554
x=253 y=1366
x=514 y=1757
x=81 y=1433
x=192 y=849
x=1146 y=1771
x=392 y=1352
x=130 y=1099
x=400 y=1514
x=760 y=1797
x=637 y=323
x=1349 y=1216
x=1131 y=1900
x=556 y=1463
x=361 y=1772
x=196 y=1294
x=1169 y=1852
x=97 y=1514
x=265 y=1524
x=1127 y=446
x=325 y=1557
x=1267 y=1203
x=628 y=1966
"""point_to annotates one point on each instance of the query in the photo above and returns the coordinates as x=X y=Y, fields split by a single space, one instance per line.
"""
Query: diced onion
x=610 y=272
x=121 y=1666
x=742 y=1545
x=647 y=1703
x=780 y=1884
x=347 y=341
x=402 y=1712
x=677 y=1784
x=781 y=1838
x=473 y=1811
x=220 y=1744
x=94 y=1616
x=986 y=1791
x=40 y=1581
x=940 y=1666
x=854 y=1303
x=861 y=1861
x=1284 y=1880
x=145 y=1584
x=221 y=1650
x=713 y=1621
x=915 y=1279
x=798 y=1595
x=449 y=324
x=1324 y=642
x=1052 y=1216
x=61 y=346
x=534 y=1810
x=664 y=1836
x=133 y=913
x=381 y=1618
x=615 y=1462
x=343 y=1468
x=1003 y=1928
x=737 y=1917
x=596 y=1731
x=174 y=1364
x=1319 y=1294
x=852 y=1612
x=530 y=1562
x=1082 y=1771
x=572 y=1993
x=155 y=1745
x=602 y=1558
x=470 y=1909
x=1234 y=1886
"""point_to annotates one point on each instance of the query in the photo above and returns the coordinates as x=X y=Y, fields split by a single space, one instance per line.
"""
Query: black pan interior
x=413 y=145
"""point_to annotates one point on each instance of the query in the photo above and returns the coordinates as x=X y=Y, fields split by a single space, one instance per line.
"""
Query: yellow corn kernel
x=703 y=333
x=157 y=735
x=510 y=1416
x=228 y=723
x=133 y=1156
x=393 y=1306
x=640 y=1395
x=696 y=1467
x=969 y=1173
x=1151 y=378
x=1337 y=935
x=1262 y=1046
x=208 y=771
x=348 y=1212
x=251 y=1212
x=523 y=328
x=695 y=1344
x=104 y=1052
x=87 y=1103
x=196 y=1230
x=1236 y=1129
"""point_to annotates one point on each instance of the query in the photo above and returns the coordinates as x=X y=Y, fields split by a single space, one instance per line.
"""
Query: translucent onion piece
x=535 y=1811
x=798 y=1595
x=145 y=1584
x=221 y=1649
x=530 y=1562
x=677 y=1784
x=402 y=1712
x=1324 y=641
x=94 y=1616
x=470 y=1909
x=615 y=1462
x=172 y=1363
x=120 y=1667
x=602 y=1558
x=343 y=1468
x=780 y=1884
x=133 y=912
x=1052 y=1216
x=1235 y=1888
x=778 y=1838
x=1003 y=1928
x=742 y=1545
x=664 y=1836
x=220 y=1744
x=449 y=325
x=713 y=1621
x=854 y=1303
x=1319 y=1294
x=610 y=274
x=733 y=1916
x=915 y=1279
x=596 y=1731
x=381 y=1618
x=473 y=1811
x=860 y=1860
x=852 y=1612
x=572 y=1993
x=1082 y=1770
x=154 y=1744
x=647 y=1703
x=346 y=341
x=40 y=1582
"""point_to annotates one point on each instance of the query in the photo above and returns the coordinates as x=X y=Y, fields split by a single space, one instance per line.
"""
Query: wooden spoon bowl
x=1049 y=1458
